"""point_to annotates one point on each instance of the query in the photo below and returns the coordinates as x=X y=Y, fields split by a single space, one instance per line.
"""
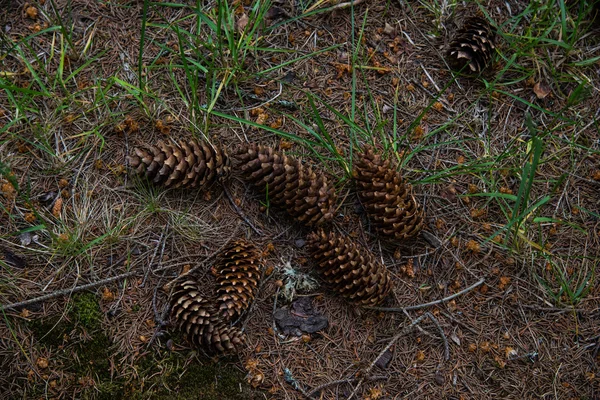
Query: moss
x=51 y=332
x=204 y=379
x=87 y=311
x=89 y=359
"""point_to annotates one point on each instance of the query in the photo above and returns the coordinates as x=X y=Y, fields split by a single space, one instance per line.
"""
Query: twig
x=442 y=335
x=162 y=250
x=288 y=377
x=340 y=6
x=239 y=212
x=66 y=291
x=125 y=275
x=433 y=303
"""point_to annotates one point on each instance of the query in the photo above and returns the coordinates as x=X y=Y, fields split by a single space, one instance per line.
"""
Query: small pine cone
x=237 y=279
x=199 y=320
x=188 y=164
x=473 y=46
x=386 y=198
x=351 y=269
x=307 y=196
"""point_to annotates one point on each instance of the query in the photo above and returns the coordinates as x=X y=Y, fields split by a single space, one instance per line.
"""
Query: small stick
x=442 y=335
x=433 y=303
x=340 y=6
x=66 y=291
x=162 y=250
x=125 y=275
x=239 y=212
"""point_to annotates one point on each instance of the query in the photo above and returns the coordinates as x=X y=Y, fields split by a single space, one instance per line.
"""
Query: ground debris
x=299 y=318
x=14 y=260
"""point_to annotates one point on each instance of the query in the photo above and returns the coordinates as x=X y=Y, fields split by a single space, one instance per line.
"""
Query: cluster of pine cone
x=207 y=322
x=309 y=197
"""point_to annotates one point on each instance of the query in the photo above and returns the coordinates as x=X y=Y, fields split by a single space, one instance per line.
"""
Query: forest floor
x=506 y=165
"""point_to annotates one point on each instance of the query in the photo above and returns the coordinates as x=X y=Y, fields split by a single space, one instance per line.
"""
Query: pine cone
x=199 y=320
x=386 y=198
x=350 y=269
x=307 y=197
x=473 y=46
x=188 y=164
x=237 y=279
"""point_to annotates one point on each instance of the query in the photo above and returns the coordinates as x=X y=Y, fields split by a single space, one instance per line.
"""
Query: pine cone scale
x=288 y=183
x=237 y=279
x=187 y=164
x=473 y=47
x=199 y=320
x=351 y=270
x=386 y=198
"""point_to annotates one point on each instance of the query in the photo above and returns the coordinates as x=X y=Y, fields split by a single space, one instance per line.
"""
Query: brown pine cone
x=237 y=279
x=188 y=164
x=386 y=198
x=200 y=321
x=472 y=48
x=351 y=269
x=307 y=196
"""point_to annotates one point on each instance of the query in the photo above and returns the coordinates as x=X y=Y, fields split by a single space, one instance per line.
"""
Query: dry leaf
x=107 y=295
x=30 y=217
x=473 y=246
x=541 y=89
x=510 y=353
x=409 y=269
x=504 y=281
x=285 y=144
x=42 y=363
x=277 y=124
x=455 y=338
x=241 y=23
x=262 y=118
x=31 y=12
x=374 y=393
x=420 y=356
x=500 y=362
x=486 y=347
x=7 y=190
x=388 y=30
